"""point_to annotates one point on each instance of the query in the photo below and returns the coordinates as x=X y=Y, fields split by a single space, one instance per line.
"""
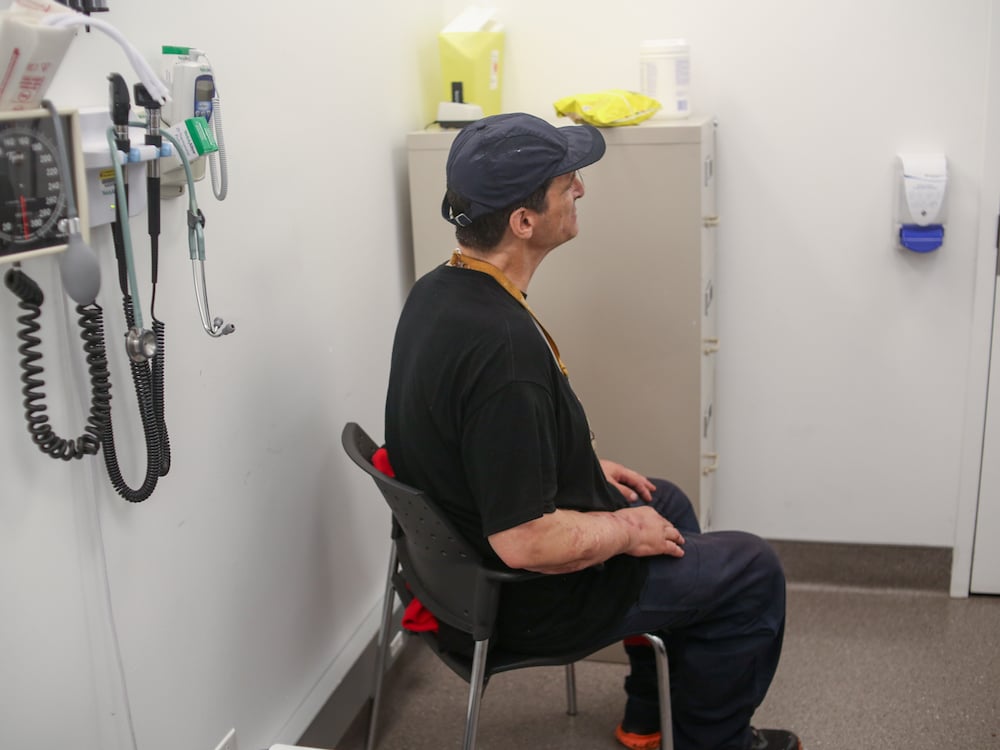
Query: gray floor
x=863 y=666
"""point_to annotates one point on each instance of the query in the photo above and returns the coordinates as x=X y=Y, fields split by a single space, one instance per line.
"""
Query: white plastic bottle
x=665 y=75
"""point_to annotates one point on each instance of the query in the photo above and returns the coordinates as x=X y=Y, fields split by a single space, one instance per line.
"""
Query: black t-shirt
x=480 y=417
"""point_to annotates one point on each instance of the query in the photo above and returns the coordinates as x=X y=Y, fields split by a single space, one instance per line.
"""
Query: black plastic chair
x=430 y=560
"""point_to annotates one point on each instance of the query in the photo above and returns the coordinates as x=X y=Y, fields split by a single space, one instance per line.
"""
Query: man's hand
x=650 y=533
x=631 y=484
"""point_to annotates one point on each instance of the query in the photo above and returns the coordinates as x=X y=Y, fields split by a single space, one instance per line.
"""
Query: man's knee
x=758 y=554
x=765 y=576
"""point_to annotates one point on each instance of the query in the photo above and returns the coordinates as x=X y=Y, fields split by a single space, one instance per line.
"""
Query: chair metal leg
x=663 y=676
x=476 y=686
x=571 y=689
x=382 y=651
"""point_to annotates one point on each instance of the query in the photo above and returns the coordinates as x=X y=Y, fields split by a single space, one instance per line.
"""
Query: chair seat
x=498 y=659
x=501 y=660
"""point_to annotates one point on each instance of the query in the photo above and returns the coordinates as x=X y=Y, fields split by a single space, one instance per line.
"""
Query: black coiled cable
x=30 y=299
x=158 y=372
x=148 y=382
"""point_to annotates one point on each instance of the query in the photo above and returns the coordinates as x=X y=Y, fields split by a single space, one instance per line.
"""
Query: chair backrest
x=441 y=568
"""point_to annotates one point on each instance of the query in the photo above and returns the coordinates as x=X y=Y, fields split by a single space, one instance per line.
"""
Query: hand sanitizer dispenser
x=922 y=211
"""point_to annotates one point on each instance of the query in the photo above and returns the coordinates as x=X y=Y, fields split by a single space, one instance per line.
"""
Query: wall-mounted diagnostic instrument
x=39 y=214
x=193 y=93
x=33 y=184
x=53 y=169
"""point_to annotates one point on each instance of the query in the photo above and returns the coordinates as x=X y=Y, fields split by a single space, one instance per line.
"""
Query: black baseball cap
x=499 y=160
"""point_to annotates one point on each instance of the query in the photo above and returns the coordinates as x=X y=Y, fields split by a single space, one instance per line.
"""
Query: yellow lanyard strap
x=474 y=264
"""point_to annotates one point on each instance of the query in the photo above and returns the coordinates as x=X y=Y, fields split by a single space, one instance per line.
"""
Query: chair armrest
x=503 y=574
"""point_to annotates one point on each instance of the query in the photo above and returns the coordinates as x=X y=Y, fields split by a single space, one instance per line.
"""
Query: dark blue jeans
x=721 y=611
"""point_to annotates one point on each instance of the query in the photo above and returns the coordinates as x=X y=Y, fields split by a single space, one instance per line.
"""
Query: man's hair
x=486 y=231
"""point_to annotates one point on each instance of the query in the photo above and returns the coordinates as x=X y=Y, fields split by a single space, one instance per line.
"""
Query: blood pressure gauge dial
x=32 y=186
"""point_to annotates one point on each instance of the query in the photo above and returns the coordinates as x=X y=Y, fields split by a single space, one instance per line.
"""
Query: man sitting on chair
x=481 y=416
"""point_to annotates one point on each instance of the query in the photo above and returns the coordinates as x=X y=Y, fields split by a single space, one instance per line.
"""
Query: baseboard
x=881 y=566
x=342 y=703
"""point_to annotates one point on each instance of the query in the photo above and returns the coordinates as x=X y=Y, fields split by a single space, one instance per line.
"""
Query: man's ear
x=522 y=223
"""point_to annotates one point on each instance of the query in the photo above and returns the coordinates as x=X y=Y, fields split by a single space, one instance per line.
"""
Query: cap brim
x=585 y=145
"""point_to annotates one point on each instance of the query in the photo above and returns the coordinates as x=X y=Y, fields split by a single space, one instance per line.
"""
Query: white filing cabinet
x=631 y=300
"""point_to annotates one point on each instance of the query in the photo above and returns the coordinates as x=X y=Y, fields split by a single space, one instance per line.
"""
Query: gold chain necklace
x=474 y=264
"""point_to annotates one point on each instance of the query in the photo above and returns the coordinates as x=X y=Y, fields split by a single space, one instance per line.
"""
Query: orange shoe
x=637 y=741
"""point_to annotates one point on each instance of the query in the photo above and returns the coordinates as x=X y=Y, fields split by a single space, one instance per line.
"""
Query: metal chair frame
x=430 y=560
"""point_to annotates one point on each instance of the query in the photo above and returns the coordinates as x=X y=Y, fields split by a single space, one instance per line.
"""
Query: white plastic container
x=665 y=75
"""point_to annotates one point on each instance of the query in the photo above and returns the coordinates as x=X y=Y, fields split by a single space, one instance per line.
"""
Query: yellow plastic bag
x=608 y=109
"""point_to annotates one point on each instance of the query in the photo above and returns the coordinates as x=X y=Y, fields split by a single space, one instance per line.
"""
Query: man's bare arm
x=566 y=540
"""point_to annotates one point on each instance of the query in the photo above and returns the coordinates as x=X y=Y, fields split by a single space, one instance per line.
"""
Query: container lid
x=663 y=45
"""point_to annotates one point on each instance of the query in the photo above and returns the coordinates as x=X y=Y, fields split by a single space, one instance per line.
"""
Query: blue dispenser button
x=921 y=239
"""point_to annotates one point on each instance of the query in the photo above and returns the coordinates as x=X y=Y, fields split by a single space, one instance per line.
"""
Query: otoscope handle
x=153 y=137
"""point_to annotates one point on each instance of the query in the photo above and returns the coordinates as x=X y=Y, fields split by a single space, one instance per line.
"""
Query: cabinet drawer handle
x=713 y=466
x=710 y=346
x=711 y=221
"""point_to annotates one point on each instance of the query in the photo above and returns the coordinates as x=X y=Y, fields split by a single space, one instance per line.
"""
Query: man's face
x=557 y=224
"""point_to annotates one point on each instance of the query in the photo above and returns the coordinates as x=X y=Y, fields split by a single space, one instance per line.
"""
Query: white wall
x=843 y=362
x=244 y=589
x=246 y=586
